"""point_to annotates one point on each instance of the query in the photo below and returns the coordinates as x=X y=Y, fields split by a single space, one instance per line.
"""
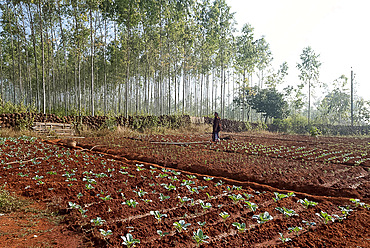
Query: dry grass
x=122 y=131
x=11 y=132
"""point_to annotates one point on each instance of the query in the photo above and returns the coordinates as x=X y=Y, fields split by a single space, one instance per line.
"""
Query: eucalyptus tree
x=335 y=106
x=263 y=56
x=309 y=72
x=245 y=60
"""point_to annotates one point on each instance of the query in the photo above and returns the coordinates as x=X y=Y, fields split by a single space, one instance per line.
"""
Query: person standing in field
x=216 y=128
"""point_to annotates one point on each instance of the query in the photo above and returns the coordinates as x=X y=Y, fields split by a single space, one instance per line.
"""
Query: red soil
x=59 y=177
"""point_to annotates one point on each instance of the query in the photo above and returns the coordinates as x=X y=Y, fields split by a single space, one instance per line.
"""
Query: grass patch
x=9 y=202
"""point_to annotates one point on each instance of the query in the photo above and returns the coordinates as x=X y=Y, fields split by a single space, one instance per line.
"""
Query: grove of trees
x=151 y=57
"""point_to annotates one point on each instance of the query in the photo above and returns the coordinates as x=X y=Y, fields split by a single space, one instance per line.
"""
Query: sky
x=335 y=29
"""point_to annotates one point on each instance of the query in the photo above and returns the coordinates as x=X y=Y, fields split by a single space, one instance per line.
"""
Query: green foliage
x=9 y=202
x=263 y=217
x=269 y=102
x=314 y=131
x=292 y=124
x=9 y=107
x=129 y=240
x=199 y=237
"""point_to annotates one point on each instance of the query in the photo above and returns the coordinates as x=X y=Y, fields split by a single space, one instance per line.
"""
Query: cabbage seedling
x=208 y=178
x=162 y=197
x=140 y=192
x=129 y=240
x=130 y=203
x=325 y=217
x=205 y=206
x=286 y=211
x=345 y=210
x=236 y=198
x=279 y=196
x=307 y=203
x=157 y=215
x=74 y=205
x=199 y=237
x=252 y=206
x=240 y=226
x=224 y=215
x=105 y=198
x=248 y=196
x=219 y=183
x=161 y=233
x=105 y=233
x=263 y=217
x=181 y=225
x=309 y=224
x=98 y=221
x=284 y=239
x=201 y=223
x=184 y=199
x=295 y=229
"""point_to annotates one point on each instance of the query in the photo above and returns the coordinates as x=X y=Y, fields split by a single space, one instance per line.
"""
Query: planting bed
x=107 y=189
x=321 y=166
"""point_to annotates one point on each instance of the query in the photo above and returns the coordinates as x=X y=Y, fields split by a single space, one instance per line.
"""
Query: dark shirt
x=216 y=124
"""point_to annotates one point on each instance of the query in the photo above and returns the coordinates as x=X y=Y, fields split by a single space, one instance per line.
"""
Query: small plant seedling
x=105 y=198
x=224 y=215
x=201 y=223
x=263 y=217
x=129 y=240
x=325 y=217
x=284 y=239
x=205 y=206
x=199 y=237
x=74 y=205
x=157 y=215
x=248 y=196
x=345 y=210
x=208 y=178
x=130 y=203
x=192 y=189
x=181 y=225
x=236 y=198
x=307 y=203
x=219 y=183
x=295 y=229
x=279 y=196
x=140 y=192
x=209 y=196
x=240 y=226
x=286 y=211
x=105 y=233
x=191 y=176
x=162 y=197
x=161 y=233
x=357 y=202
x=169 y=187
x=98 y=221
x=252 y=206
x=309 y=224
x=184 y=199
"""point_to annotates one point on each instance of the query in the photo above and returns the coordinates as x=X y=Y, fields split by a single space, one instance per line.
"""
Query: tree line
x=151 y=57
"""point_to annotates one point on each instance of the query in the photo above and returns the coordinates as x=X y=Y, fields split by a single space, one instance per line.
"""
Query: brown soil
x=102 y=177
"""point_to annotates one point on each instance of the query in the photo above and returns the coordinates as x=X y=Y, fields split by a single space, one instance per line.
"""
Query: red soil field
x=107 y=187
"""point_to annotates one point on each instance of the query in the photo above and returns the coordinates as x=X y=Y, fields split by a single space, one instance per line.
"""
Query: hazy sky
x=335 y=29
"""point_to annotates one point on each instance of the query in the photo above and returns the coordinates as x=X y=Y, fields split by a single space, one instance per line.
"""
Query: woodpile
x=27 y=120
x=230 y=125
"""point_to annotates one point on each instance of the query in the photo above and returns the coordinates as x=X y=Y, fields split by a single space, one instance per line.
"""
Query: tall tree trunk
x=35 y=56
x=92 y=66
x=42 y=57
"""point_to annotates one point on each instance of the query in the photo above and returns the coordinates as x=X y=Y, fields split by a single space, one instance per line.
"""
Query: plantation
x=182 y=191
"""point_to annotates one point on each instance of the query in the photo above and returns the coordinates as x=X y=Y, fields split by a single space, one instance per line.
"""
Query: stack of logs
x=94 y=122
